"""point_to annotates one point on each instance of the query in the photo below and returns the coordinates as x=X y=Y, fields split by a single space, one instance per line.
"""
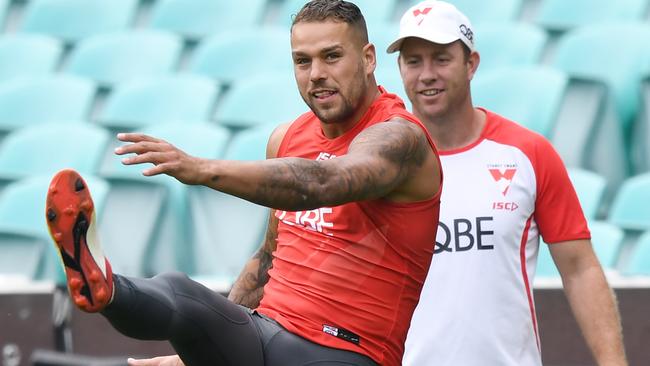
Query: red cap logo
x=417 y=13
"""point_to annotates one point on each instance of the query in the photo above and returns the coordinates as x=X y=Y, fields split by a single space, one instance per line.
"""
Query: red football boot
x=71 y=220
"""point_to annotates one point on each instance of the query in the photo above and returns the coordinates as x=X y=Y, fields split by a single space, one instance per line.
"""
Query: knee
x=173 y=278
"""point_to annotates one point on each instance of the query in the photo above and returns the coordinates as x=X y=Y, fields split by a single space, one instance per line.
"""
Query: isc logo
x=506 y=206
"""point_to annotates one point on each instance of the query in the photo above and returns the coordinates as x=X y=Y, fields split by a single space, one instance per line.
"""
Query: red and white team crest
x=421 y=13
x=503 y=177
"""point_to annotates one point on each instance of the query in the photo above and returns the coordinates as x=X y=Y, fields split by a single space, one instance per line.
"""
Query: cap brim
x=395 y=46
x=439 y=38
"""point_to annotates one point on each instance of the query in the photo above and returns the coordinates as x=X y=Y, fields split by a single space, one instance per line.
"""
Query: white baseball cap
x=436 y=21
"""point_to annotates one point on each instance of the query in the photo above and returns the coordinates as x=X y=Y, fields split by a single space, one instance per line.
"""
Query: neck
x=334 y=130
x=456 y=129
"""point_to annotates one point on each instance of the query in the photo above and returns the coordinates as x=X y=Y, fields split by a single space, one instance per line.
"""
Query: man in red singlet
x=354 y=185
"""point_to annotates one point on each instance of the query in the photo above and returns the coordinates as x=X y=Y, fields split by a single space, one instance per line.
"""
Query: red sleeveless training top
x=350 y=276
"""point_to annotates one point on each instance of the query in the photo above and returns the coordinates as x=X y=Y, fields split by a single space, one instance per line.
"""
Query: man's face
x=328 y=62
x=436 y=77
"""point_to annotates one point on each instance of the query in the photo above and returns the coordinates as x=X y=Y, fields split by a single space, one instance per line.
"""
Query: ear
x=472 y=64
x=369 y=58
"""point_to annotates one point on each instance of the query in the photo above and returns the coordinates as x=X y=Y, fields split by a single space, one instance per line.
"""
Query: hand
x=166 y=158
x=157 y=361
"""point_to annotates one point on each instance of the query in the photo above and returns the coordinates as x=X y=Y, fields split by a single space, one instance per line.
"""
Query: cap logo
x=417 y=13
x=467 y=32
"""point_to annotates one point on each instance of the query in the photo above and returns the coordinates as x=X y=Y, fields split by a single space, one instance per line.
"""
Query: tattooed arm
x=248 y=289
x=390 y=159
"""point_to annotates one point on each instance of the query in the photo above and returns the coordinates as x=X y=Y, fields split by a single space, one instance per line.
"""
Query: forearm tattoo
x=379 y=159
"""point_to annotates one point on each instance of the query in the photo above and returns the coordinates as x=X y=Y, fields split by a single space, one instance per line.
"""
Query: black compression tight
x=205 y=328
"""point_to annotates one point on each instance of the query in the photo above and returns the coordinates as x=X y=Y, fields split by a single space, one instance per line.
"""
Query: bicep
x=384 y=156
x=573 y=256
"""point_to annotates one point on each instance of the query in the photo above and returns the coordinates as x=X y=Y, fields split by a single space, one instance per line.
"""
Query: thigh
x=203 y=326
x=220 y=331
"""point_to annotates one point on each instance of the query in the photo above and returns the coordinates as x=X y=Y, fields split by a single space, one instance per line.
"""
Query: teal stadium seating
x=639 y=261
x=641 y=135
x=74 y=20
x=195 y=19
x=28 y=55
x=487 y=11
x=505 y=45
x=530 y=96
x=382 y=34
x=4 y=9
x=606 y=240
x=630 y=209
x=48 y=148
x=266 y=99
x=597 y=121
x=22 y=216
x=588 y=132
x=590 y=188
x=374 y=11
x=176 y=98
x=146 y=220
x=587 y=53
x=31 y=101
x=229 y=229
x=241 y=54
x=563 y=15
x=121 y=56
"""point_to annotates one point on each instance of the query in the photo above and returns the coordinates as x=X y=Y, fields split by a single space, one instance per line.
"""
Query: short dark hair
x=337 y=10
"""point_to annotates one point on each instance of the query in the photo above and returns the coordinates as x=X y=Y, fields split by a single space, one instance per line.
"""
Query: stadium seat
x=229 y=229
x=146 y=220
x=48 y=148
x=382 y=34
x=487 y=11
x=249 y=144
x=73 y=20
x=31 y=101
x=122 y=56
x=528 y=95
x=4 y=10
x=630 y=209
x=640 y=151
x=563 y=15
x=244 y=54
x=195 y=19
x=606 y=240
x=22 y=255
x=22 y=214
x=374 y=11
x=639 y=260
x=587 y=53
x=275 y=98
x=177 y=98
x=28 y=55
x=590 y=188
x=588 y=132
x=509 y=45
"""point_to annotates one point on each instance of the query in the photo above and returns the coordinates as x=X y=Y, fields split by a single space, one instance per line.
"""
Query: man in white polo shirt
x=505 y=187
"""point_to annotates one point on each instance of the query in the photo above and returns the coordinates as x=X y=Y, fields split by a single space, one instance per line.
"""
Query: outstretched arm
x=380 y=162
x=591 y=299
